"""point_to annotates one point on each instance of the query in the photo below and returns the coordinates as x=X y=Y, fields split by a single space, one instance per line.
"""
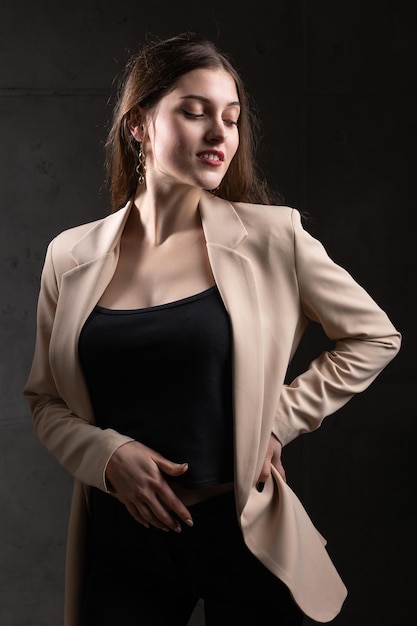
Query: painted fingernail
x=189 y=522
x=260 y=486
x=177 y=529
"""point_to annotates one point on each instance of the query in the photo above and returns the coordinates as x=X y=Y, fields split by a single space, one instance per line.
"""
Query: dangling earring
x=141 y=166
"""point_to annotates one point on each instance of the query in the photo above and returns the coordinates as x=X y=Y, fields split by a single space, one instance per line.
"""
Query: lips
x=213 y=157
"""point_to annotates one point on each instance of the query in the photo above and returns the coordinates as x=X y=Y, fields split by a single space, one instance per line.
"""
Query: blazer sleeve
x=365 y=340
x=79 y=445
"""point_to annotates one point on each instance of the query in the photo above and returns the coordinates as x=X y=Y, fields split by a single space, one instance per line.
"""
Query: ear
x=136 y=123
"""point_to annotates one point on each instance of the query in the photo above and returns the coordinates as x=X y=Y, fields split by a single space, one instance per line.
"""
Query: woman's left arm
x=365 y=340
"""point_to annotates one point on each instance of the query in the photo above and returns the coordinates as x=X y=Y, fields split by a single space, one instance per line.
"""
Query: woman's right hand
x=135 y=475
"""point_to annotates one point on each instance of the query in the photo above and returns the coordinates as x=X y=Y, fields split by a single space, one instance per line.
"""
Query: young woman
x=165 y=331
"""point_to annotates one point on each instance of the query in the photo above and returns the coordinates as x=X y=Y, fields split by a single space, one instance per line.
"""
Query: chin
x=209 y=185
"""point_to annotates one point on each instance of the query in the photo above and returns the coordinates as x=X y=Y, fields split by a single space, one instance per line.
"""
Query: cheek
x=234 y=145
x=171 y=143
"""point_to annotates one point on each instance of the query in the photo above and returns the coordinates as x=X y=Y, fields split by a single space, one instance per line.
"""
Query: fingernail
x=189 y=522
x=177 y=529
x=260 y=486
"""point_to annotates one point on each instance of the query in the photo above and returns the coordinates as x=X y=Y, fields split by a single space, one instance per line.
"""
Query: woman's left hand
x=273 y=457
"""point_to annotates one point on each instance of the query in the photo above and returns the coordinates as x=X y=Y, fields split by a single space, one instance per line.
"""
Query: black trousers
x=147 y=577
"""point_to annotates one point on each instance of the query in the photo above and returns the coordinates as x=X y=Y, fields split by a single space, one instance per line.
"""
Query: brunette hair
x=151 y=74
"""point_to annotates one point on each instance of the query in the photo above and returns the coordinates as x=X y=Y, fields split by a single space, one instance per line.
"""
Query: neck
x=163 y=213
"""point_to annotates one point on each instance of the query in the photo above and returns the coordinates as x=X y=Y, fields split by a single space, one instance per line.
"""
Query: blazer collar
x=221 y=225
x=103 y=236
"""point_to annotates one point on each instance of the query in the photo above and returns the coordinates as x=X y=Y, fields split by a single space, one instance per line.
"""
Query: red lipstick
x=211 y=157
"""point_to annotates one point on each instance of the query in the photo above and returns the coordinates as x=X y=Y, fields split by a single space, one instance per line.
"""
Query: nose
x=216 y=132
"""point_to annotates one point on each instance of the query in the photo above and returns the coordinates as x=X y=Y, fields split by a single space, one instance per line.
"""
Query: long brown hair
x=151 y=74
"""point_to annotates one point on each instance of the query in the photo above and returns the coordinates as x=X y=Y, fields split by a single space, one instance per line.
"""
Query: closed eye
x=192 y=115
x=200 y=115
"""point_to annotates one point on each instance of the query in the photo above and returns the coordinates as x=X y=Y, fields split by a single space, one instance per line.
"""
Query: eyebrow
x=208 y=101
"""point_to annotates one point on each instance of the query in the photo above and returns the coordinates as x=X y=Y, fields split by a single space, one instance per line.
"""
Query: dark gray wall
x=335 y=85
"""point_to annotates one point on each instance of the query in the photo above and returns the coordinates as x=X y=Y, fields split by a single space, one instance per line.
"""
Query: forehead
x=217 y=85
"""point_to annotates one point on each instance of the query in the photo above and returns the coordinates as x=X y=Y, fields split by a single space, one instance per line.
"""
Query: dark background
x=335 y=85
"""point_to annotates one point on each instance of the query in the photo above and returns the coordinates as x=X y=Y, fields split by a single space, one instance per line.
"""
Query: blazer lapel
x=96 y=255
x=236 y=282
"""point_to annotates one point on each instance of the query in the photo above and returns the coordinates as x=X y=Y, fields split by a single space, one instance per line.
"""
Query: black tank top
x=163 y=376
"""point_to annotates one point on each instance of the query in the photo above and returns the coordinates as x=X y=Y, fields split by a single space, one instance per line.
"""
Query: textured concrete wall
x=335 y=85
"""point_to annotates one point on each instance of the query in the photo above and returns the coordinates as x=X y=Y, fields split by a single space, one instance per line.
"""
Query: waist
x=190 y=496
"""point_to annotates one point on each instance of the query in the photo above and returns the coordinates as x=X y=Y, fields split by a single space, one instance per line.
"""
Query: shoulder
x=70 y=236
x=58 y=258
x=92 y=238
x=269 y=219
x=266 y=213
x=82 y=243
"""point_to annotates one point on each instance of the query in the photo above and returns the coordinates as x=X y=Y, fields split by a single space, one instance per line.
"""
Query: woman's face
x=192 y=136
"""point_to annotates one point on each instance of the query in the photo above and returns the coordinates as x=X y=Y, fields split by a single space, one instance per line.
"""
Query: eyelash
x=200 y=115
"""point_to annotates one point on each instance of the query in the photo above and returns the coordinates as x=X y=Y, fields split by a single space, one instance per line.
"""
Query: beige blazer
x=274 y=279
